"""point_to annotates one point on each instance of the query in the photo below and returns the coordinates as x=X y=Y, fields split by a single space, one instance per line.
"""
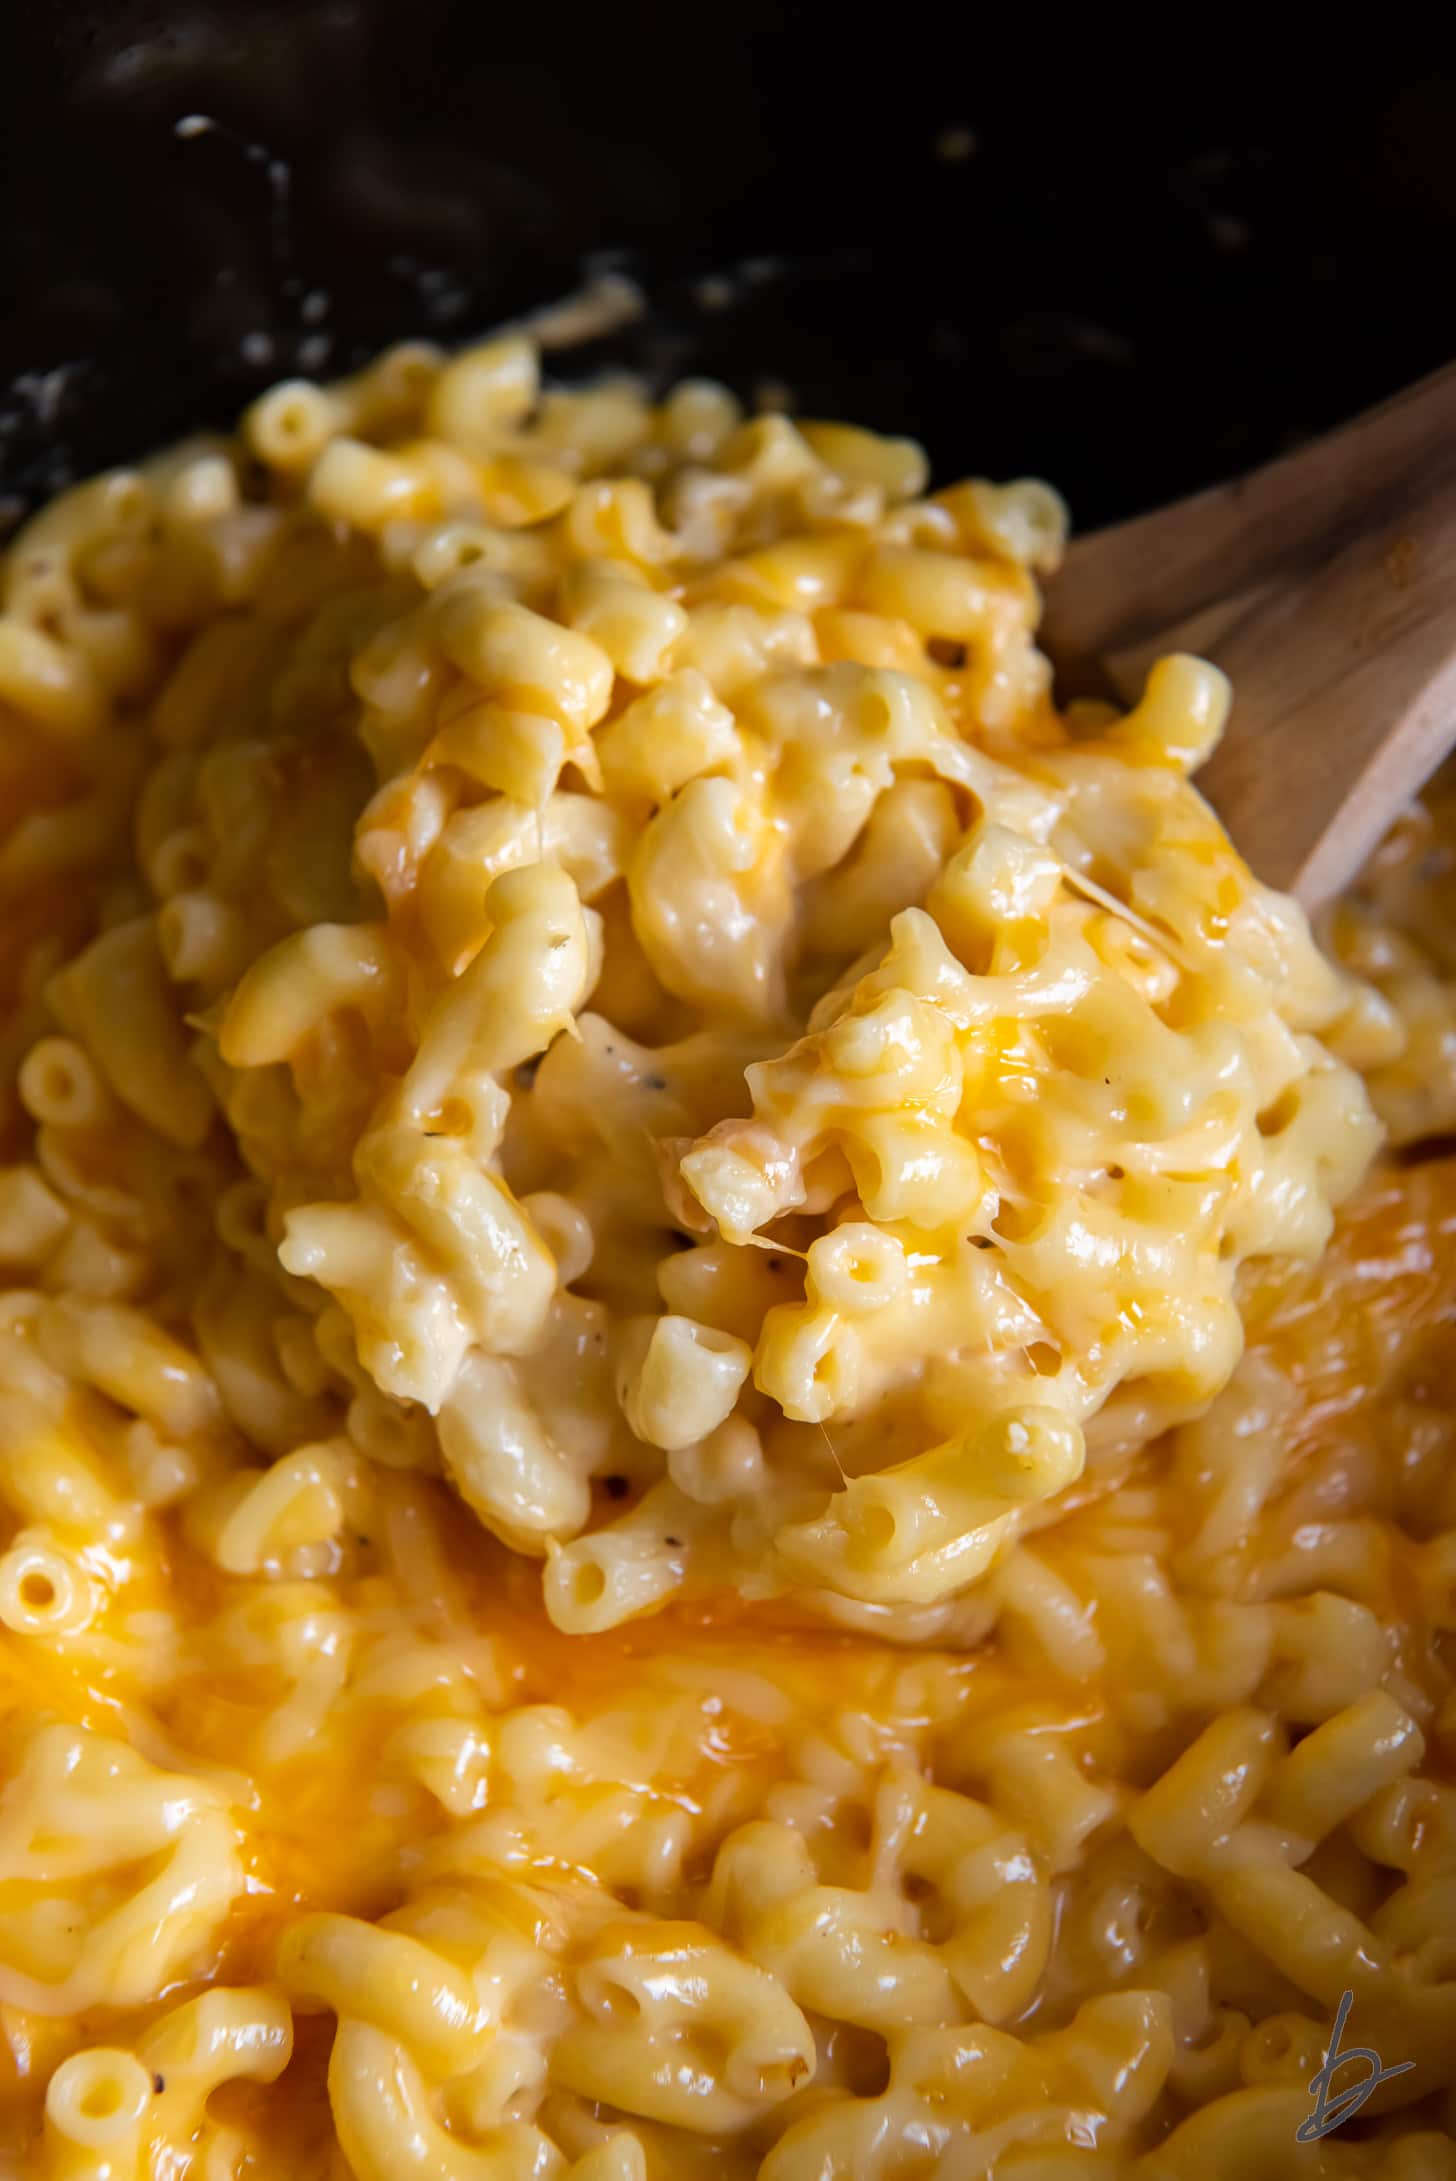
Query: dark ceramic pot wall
x=1128 y=264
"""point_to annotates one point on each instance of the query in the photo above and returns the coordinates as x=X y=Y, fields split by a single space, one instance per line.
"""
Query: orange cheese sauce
x=1364 y=1343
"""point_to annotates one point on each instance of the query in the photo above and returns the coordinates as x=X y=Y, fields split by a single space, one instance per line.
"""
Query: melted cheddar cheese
x=717 y=1457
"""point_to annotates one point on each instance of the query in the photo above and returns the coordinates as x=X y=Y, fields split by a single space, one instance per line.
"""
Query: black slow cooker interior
x=1125 y=260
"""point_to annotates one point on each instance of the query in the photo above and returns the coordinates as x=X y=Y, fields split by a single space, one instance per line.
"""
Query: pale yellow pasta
x=484 y=392
x=118 y=998
x=614 y=1574
x=504 y=1462
x=282 y=998
x=1188 y=1815
x=32 y=1217
x=358 y=485
x=258 y=1518
x=635 y=625
x=291 y=424
x=391 y=1980
x=681 y=1379
x=45 y=681
x=49 y=1475
x=59 y=1083
x=1342 y=1764
x=682 y=1491
x=505 y=650
x=44 y=1591
x=223 y=2036
x=95 y=2103
x=157 y=1857
x=126 y=1355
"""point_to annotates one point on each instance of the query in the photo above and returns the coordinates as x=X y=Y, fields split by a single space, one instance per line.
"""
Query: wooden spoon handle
x=1349 y=702
x=1325 y=586
x=1121 y=587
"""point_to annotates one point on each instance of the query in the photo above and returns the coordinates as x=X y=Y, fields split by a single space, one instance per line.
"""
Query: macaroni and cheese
x=716 y=1454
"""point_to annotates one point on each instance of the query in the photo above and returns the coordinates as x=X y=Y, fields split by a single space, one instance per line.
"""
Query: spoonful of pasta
x=1324 y=585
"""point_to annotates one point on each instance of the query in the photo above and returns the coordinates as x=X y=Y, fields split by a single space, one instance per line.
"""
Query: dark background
x=1162 y=260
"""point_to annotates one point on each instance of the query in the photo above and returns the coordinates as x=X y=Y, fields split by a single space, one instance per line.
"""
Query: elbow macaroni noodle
x=713 y=1458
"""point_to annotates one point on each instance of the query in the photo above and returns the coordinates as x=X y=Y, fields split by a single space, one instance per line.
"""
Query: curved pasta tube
x=680 y=1379
x=282 y=999
x=833 y=1947
x=1247 y=2134
x=990 y=1890
x=911 y=1533
x=221 y=2036
x=127 y=1355
x=494 y=1263
x=44 y=1590
x=118 y=997
x=96 y=2105
x=235 y=1317
x=257 y=1518
x=950 y=2090
x=678 y=2028
x=669 y=735
x=390 y=1980
x=526 y=983
x=635 y=625
x=154 y=1856
x=505 y=1463
x=711 y=900
x=637 y=1562
x=50 y=1474
x=510 y=652
x=388 y=2130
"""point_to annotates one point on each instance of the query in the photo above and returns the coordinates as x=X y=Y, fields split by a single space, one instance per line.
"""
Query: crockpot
x=1129 y=260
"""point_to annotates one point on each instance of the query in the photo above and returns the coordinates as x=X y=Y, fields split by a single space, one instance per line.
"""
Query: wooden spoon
x=1325 y=586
